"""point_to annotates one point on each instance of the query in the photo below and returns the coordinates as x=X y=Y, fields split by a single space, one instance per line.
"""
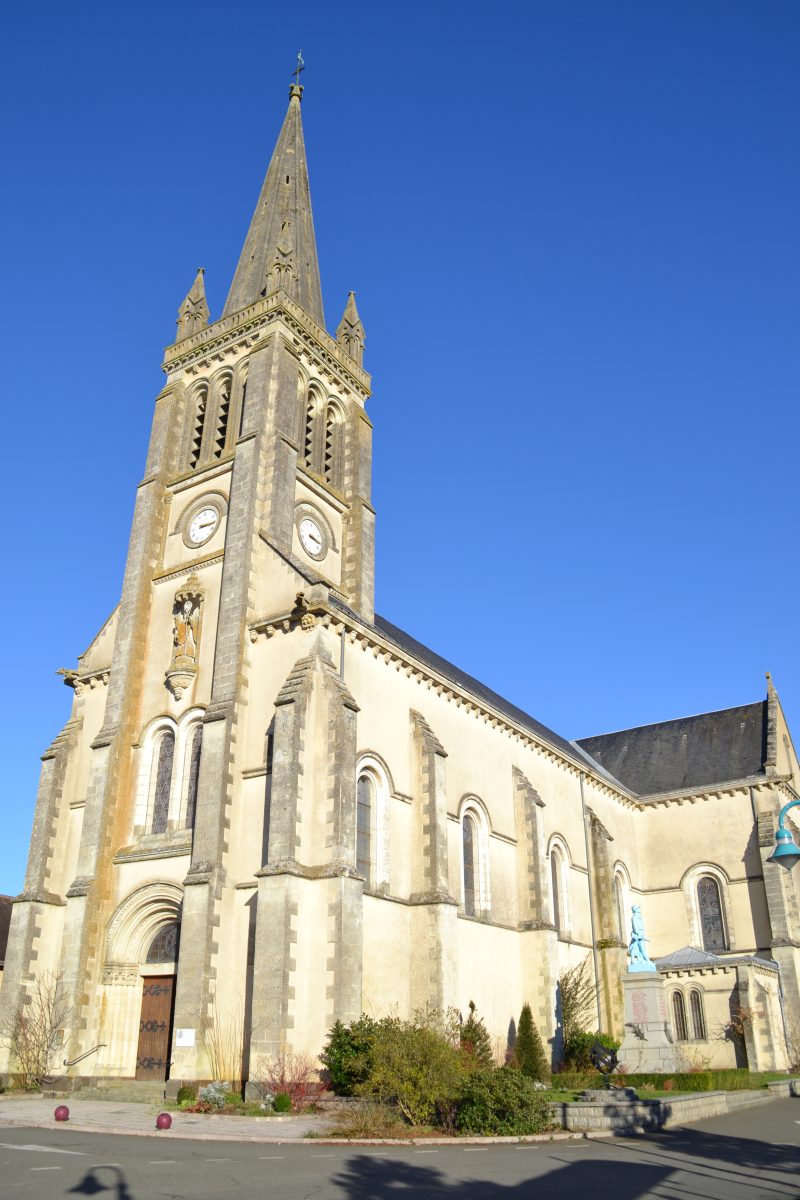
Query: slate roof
x=691 y=752
x=5 y=921
x=418 y=650
x=690 y=958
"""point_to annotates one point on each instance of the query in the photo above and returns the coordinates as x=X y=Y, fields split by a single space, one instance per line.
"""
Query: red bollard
x=61 y=1113
x=163 y=1121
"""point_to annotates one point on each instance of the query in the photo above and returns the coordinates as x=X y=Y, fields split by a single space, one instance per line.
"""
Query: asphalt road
x=743 y=1156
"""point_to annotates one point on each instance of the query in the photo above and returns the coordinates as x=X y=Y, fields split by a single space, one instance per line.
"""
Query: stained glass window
x=166 y=753
x=698 y=1017
x=164 y=946
x=469 y=839
x=364 y=807
x=679 y=1017
x=709 y=904
x=194 y=775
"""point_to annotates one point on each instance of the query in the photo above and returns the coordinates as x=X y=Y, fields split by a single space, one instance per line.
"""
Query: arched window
x=223 y=411
x=310 y=456
x=469 y=841
x=622 y=915
x=197 y=416
x=164 y=946
x=365 y=805
x=698 y=1016
x=709 y=907
x=163 y=781
x=557 y=886
x=195 y=750
x=332 y=467
x=679 y=1017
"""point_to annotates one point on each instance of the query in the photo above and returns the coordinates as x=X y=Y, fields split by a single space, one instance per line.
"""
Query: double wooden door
x=155 y=1026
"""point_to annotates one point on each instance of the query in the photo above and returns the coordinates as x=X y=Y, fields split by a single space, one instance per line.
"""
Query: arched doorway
x=142 y=947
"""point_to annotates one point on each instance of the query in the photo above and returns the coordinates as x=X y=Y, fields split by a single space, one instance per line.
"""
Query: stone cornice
x=713 y=791
x=318 y=609
x=244 y=329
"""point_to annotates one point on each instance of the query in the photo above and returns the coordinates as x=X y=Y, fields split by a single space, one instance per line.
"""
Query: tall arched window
x=557 y=887
x=333 y=446
x=709 y=907
x=365 y=804
x=166 y=754
x=223 y=411
x=197 y=416
x=194 y=775
x=679 y=1017
x=469 y=839
x=622 y=915
x=698 y=1016
x=310 y=437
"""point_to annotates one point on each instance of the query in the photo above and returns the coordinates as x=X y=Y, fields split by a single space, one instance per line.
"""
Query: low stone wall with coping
x=643 y=1116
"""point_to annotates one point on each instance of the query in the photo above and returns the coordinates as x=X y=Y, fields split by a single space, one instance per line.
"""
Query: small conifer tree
x=476 y=1045
x=529 y=1051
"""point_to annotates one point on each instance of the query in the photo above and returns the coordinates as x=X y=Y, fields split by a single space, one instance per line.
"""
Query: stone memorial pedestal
x=646 y=1046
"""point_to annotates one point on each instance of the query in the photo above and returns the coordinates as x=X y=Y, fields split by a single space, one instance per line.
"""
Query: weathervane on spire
x=301 y=66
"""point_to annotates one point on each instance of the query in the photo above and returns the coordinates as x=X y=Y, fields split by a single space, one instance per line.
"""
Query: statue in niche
x=186 y=621
x=638 y=958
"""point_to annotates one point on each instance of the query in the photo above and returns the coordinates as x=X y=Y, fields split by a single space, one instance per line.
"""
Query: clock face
x=203 y=525
x=312 y=538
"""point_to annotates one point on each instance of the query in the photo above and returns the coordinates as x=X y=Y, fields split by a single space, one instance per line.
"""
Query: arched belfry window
x=709 y=908
x=163 y=781
x=365 y=810
x=311 y=449
x=698 y=1015
x=332 y=466
x=223 y=390
x=195 y=750
x=197 y=420
x=679 y=1017
x=469 y=841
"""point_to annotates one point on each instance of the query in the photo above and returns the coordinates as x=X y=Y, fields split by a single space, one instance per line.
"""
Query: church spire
x=350 y=334
x=280 y=250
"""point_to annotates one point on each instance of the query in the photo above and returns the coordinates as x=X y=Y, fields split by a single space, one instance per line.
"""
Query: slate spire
x=280 y=250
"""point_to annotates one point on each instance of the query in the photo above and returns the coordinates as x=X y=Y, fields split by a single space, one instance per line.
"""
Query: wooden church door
x=155 y=1026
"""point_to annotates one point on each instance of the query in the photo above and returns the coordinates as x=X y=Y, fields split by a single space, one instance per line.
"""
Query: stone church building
x=271 y=808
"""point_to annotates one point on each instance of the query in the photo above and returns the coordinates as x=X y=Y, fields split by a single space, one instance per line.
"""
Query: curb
x=190 y=1135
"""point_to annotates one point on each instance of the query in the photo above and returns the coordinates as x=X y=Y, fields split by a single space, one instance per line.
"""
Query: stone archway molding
x=136 y=922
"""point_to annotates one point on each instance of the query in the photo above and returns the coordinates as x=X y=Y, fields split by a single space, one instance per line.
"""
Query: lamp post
x=786 y=852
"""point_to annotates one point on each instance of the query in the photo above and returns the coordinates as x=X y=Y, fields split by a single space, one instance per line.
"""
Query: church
x=271 y=809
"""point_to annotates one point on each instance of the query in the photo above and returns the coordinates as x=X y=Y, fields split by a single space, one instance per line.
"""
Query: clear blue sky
x=573 y=232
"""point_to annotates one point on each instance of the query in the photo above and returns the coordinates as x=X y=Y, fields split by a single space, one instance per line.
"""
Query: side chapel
x=271 y=809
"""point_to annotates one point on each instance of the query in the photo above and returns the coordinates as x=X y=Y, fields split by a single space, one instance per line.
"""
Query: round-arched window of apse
x=164 y=946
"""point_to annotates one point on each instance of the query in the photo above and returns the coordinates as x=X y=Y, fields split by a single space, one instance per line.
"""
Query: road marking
x=218 y=1160
x=41 y=1149
x=45 y=1168
x=324 y=1156
x=270 y=1157
x=479 y=1150
x=156 y=1162
x=426 y=1151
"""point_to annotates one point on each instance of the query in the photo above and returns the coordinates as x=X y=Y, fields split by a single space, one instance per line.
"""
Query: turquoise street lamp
x=786 y=852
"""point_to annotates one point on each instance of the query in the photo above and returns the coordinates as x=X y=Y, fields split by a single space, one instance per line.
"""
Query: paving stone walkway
x=137 y=1118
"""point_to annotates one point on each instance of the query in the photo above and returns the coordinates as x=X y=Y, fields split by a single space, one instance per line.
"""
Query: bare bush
x=34 y=1030
x=294 y=1074
x=223 y=1037
x=577 y=999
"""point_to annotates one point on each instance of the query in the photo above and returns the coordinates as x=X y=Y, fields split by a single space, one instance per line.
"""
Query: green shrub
x=476 y=1045
x=347 y=1055
x=213 y=1094
x=529 y=1052
x=282 y=1103
x=233 y=1100
x=187 y=1093
x=578 y=1048
x=417 y=1065
x=504 y=1102
x=680 y=1081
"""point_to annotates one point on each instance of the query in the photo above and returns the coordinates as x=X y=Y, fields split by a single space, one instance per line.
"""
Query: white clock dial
x=311 y=537
x=203 y=525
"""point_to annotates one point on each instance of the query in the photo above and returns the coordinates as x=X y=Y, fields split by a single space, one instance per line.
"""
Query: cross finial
x=300 y=67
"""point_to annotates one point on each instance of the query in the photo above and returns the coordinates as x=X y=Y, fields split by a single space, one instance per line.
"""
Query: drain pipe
x=591 y=904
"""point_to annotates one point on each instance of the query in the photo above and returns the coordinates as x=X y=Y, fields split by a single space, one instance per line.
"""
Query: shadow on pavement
x=368 y=1179
x=102 y=1179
